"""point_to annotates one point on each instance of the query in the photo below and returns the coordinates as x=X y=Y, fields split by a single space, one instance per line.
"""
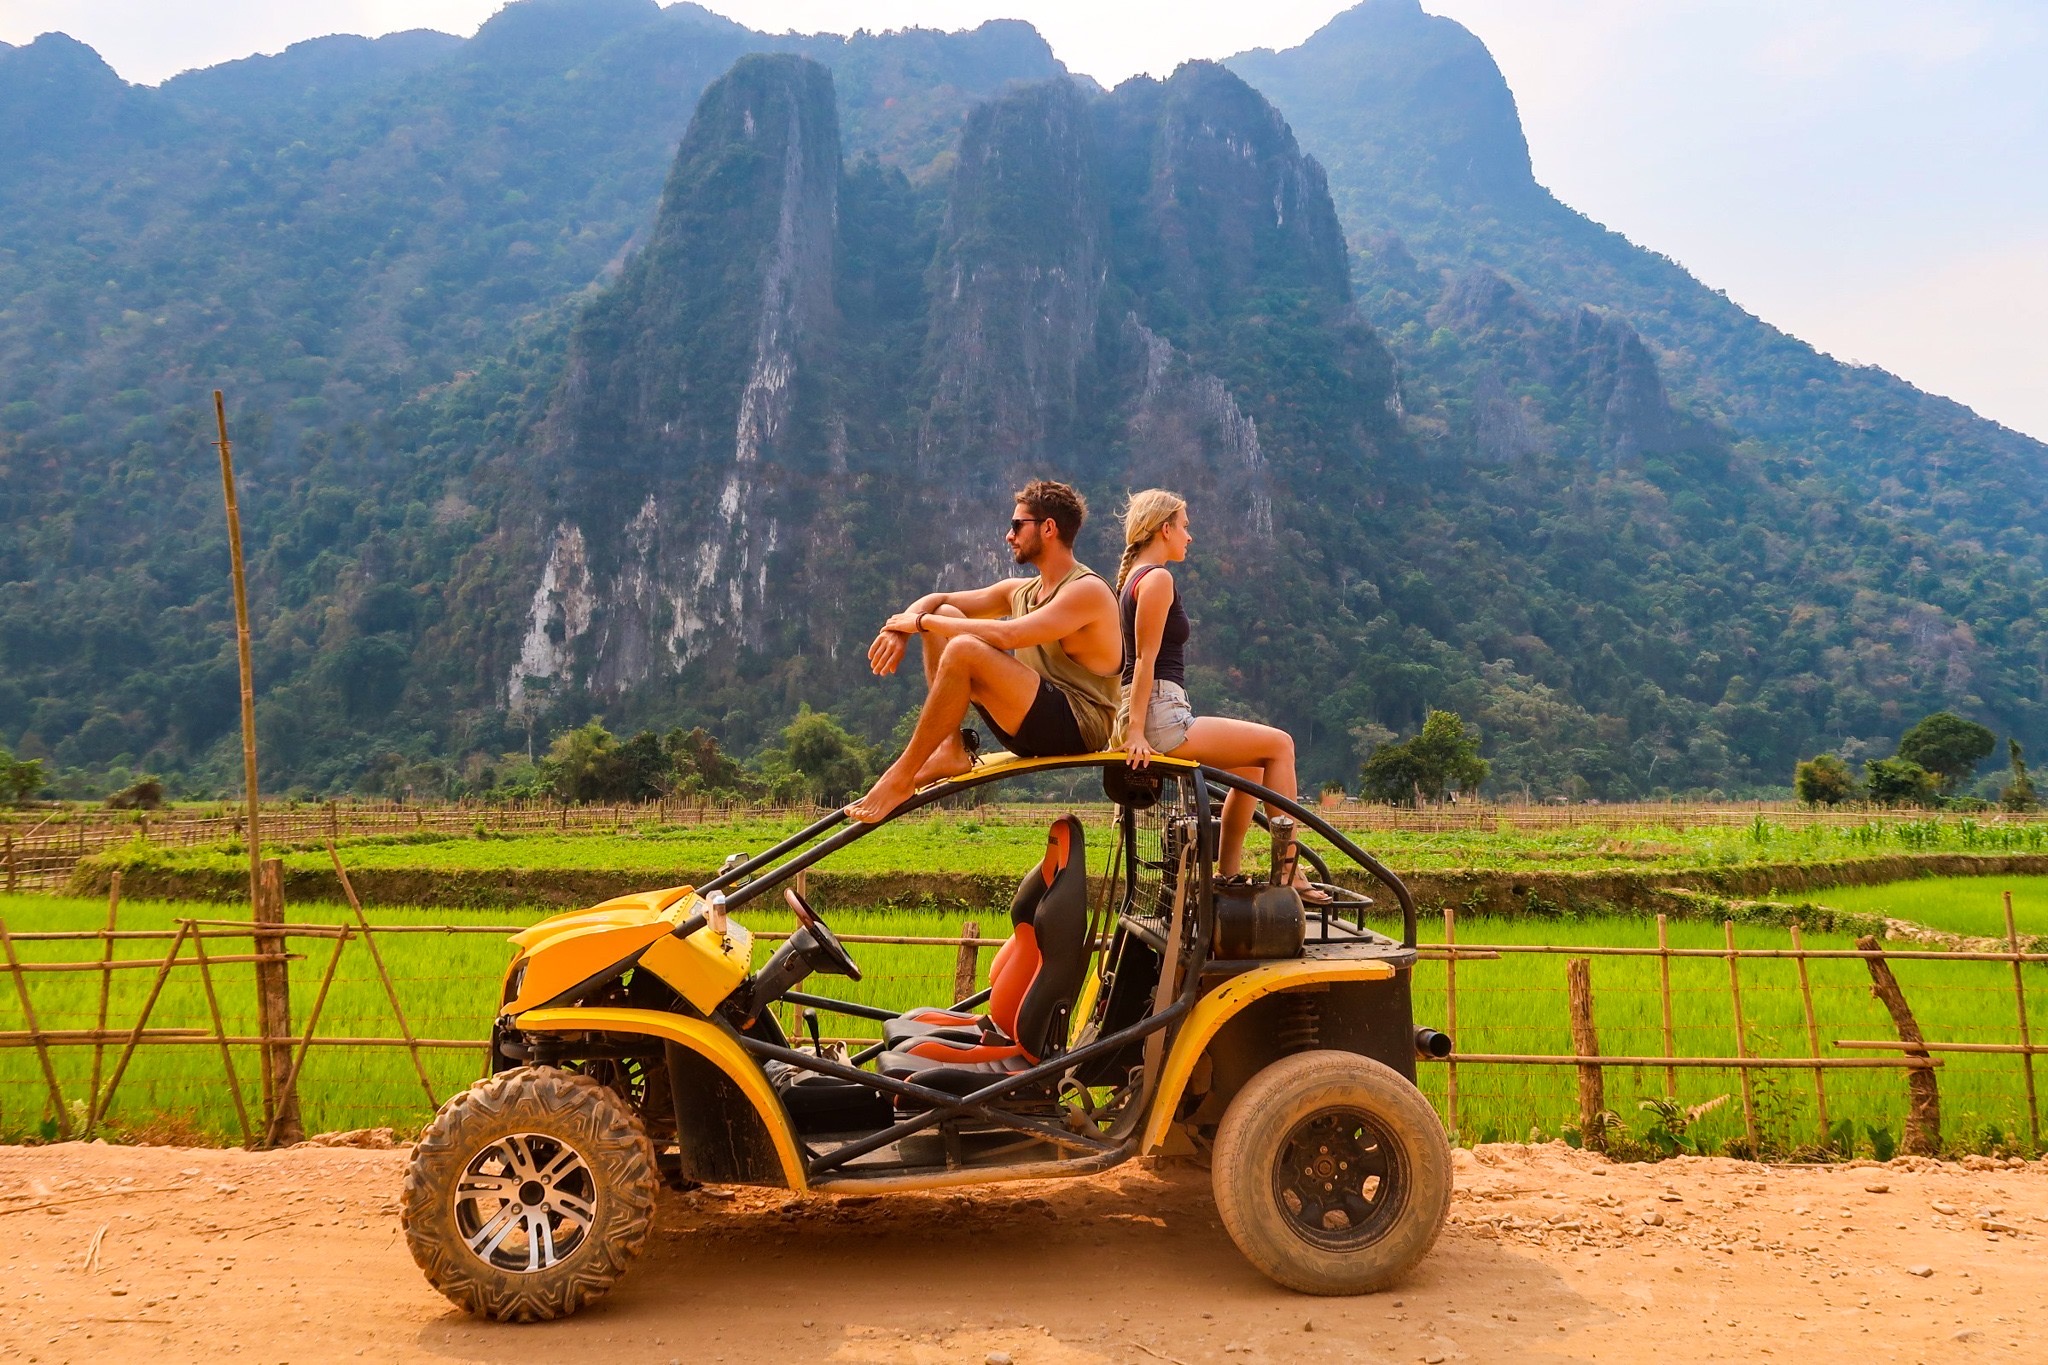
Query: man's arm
x=887 y=650
x=1073 y=607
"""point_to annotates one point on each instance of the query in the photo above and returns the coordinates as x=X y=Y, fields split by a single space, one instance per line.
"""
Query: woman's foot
x=1310 y=893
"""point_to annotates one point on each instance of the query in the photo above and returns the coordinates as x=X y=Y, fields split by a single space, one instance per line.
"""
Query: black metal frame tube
x=944 y=1105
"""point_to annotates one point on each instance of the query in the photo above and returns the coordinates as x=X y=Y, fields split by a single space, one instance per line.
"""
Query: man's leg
x=951 y=756
x=968 y=671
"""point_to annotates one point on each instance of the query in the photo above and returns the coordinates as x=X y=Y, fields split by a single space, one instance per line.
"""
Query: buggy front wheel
x=529 y=1194
x=1332 y=1173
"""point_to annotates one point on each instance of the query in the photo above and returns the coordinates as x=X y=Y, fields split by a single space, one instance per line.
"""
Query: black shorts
x=1049 y=727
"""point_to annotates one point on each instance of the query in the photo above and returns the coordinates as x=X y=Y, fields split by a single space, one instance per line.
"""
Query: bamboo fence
x=191 y=946
x=40 y=846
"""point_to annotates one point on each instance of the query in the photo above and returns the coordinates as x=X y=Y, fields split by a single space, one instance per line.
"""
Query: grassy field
x=1516 y=1004
x=969 y=841
x=1961 y=905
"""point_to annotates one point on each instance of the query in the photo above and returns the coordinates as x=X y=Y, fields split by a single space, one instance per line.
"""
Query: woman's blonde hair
x=1144 y=515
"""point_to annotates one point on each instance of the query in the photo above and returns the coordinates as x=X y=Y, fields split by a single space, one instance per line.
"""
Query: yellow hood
x=563 y=950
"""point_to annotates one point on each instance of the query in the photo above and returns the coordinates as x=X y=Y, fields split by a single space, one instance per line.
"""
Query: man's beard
x=1022 y=556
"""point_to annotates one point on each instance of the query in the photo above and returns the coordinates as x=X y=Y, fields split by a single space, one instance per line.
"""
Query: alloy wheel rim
x=525 y=1203
x=1339 y=1180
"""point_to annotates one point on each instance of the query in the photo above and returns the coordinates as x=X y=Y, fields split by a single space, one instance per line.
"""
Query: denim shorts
x=1168 y=717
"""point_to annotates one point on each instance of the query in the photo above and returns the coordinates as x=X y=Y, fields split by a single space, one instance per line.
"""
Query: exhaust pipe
x=1432 y=1044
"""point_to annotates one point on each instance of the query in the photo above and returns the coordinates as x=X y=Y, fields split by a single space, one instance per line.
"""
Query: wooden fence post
x=1451 y=1019
x=1664 y=983
x=11 y=881
x=1578 y=980
x=99 y=1045
x=1820 y=1084
x=967 y=966
x=1923 y=1095
x=274 y=1010
x=1742 y=1044
x=2019 y=993
x=289 y=1109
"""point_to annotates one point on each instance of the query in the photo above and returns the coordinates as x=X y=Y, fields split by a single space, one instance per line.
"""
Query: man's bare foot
x=891 y=789
x=949 y=760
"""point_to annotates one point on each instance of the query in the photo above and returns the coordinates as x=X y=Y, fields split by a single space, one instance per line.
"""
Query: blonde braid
x=1145 y=514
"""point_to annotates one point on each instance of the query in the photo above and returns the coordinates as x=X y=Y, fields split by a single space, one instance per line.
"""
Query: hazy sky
x=1870 y=175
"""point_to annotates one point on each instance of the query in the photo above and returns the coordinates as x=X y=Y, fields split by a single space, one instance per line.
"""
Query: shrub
x=1823 y=780
x=20 y=779
x=1899 y=782
x=2019 y=789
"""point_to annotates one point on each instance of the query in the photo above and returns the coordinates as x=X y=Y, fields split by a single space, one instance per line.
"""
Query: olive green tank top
x=1093 y=696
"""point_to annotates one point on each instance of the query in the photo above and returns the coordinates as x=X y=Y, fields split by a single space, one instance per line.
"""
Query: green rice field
x=448 y=984
x=1961 y=905
x=1001 y=839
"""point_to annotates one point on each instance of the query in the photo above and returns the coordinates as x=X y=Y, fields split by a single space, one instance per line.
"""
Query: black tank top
x=1171 y=665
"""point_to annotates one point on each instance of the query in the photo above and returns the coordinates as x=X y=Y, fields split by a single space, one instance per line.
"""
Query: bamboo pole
x=28 y=1015
x=1451 y=1019
x=1742 y=1044
x=1664 y=985
x=1820 y=1084
x=391 y=991
x=99 y=1052
x=234 y=514
x=288 y=1107
x=2019 y=996
x=106 y=1101
x=274 y=1004
x=220 y=1032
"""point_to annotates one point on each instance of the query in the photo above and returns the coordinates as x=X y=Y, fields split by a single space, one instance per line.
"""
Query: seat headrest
x=1061 y=841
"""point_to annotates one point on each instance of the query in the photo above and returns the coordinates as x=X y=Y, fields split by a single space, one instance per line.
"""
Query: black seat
x=1032 y=985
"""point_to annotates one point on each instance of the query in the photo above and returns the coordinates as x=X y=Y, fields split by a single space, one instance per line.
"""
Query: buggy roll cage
x=748 y=880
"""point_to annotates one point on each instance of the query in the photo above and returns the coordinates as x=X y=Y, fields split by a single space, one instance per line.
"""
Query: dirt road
x=181 y=1254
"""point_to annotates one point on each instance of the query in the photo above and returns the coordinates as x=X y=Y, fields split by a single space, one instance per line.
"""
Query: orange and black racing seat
x=1032 y=984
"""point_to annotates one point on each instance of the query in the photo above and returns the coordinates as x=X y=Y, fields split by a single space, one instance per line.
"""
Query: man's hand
x=886 y=652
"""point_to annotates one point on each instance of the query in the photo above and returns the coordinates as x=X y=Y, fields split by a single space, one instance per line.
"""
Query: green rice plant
x=1960 y=905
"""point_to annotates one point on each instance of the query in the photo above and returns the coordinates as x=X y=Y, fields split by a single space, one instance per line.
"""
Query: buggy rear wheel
x=529 y=1194
x=1332 y=1173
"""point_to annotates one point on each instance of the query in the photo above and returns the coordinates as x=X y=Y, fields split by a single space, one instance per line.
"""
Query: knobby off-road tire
x=529 y=1194
x=1332 y=1173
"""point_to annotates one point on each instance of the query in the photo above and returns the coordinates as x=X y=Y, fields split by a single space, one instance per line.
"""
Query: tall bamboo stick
x=227 y=491
x=1820 y=1084
x=1451 y=1018
x=1664 y=983
x=1742 y=1044
x=2019 y=992
x=99 y=1050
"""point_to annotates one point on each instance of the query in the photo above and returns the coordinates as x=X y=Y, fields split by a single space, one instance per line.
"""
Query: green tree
x=697 y=767
x=20 y=779
x=589 y=764
x=2019 y=790
x=1899 y=782
x=834 y=765
x=1948 y=746
x=1442 y=759
x=1823 y=780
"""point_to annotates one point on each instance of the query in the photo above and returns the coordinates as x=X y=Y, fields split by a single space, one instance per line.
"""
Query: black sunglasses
x=1019 y=523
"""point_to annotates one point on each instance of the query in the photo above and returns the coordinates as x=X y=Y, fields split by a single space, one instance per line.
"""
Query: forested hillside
x=559 y=394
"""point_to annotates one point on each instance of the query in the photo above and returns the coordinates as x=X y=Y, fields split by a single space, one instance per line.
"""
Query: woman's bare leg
x=1263 y=753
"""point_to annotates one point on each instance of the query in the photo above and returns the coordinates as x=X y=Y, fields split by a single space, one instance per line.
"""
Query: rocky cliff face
x=746 y=459
x=688 y=386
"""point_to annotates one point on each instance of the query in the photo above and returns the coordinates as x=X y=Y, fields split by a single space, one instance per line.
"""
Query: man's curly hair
x=1062 y=503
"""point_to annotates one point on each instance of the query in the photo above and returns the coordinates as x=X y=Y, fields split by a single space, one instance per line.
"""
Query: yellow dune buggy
x=1154 y=1009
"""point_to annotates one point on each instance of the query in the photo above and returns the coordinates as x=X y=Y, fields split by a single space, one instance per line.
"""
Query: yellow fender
x=708 y=1041
x=1216 y=1009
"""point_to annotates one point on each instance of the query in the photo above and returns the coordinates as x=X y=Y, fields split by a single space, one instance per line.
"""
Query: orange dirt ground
x=1551 y=1254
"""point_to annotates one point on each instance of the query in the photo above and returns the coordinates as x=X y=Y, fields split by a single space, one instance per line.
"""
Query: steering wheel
x=828 y=942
